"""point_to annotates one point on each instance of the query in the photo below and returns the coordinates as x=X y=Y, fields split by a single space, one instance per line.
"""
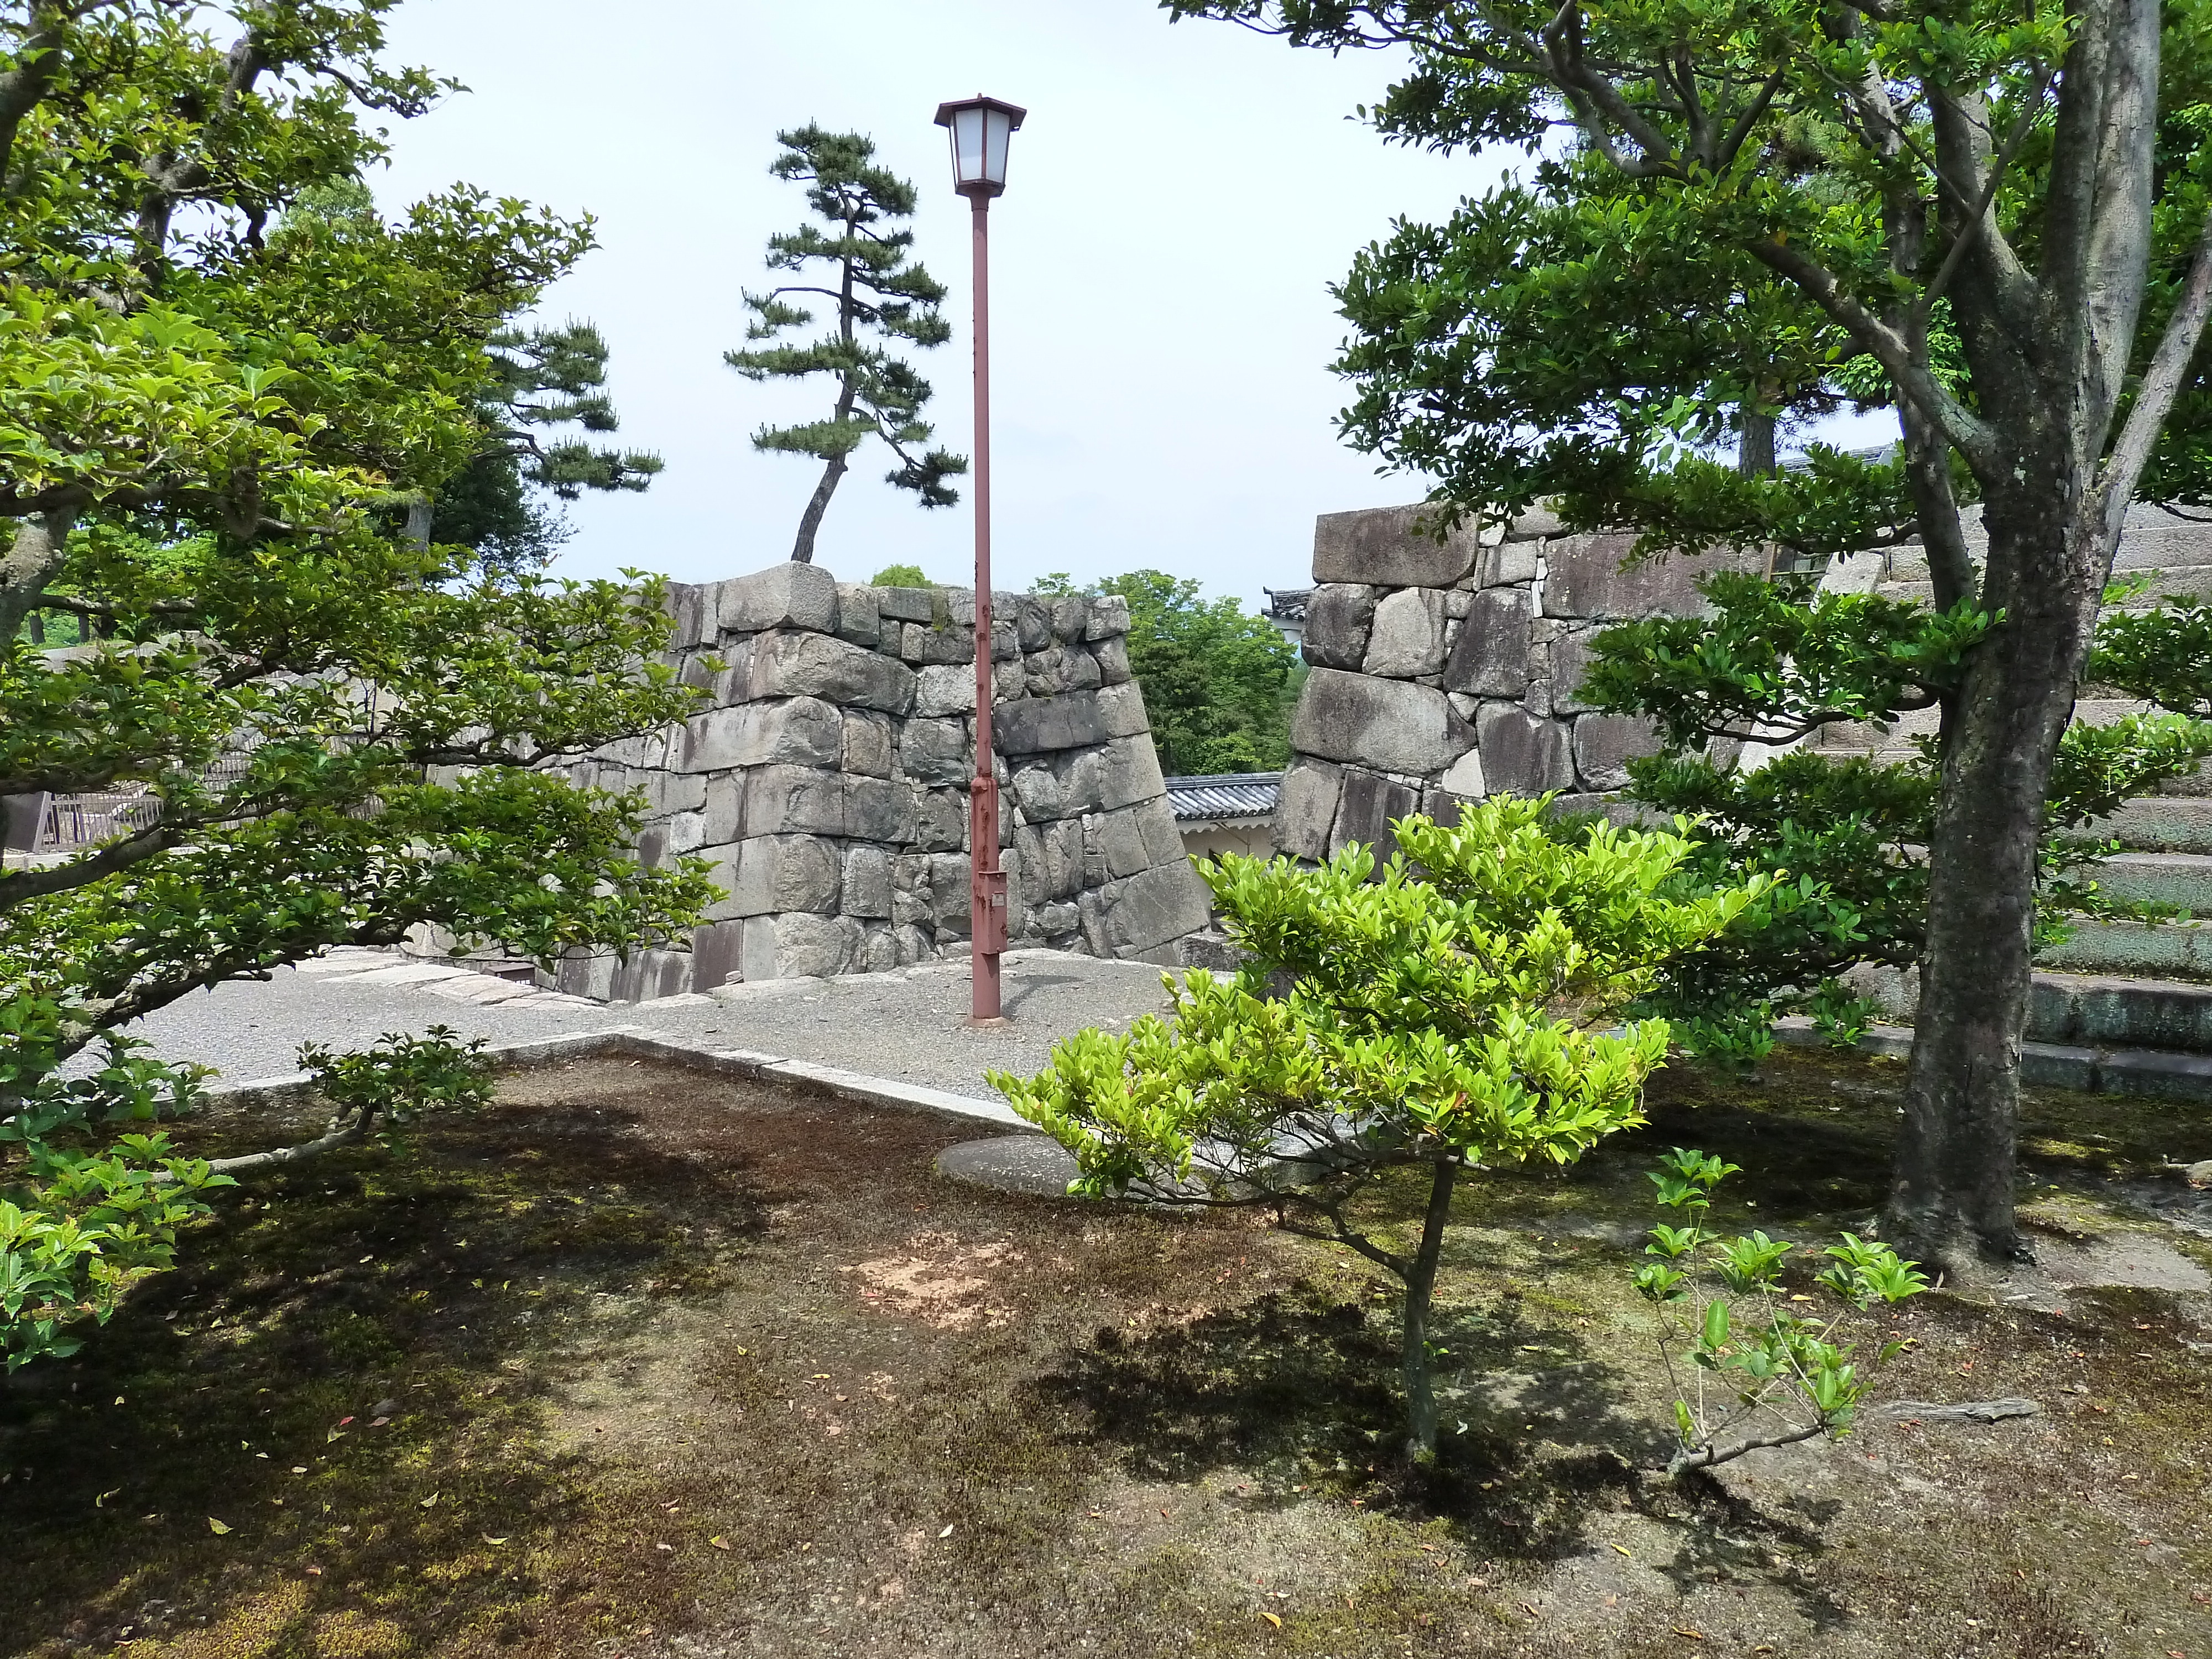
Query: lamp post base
x=987 y=1022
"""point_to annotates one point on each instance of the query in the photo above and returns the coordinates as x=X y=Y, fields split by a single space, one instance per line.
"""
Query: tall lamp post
x=980 y=128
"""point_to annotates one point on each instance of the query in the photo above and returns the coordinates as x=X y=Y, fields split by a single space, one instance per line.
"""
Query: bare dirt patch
x=670 y=1364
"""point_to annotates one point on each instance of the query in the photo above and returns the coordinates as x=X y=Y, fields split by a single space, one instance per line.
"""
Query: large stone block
x=1129 y=771
x=1508 y=562
x=1490 y=658
x=951 y=896
x=793 y=800
x=1571 y=657
x=786 y=595
x=1391 y=547
x=1071 y=612
x=802 y=731
x=1032 y=620
x=799 y=945
x=1112 y=657
x=907 y=603
x=644 y=975
x=1122 y=842
x=1151 y=910
x=936 y=751
x=944 y=690
x=691 y=606
x=1107 y=617
x=867 y=885
x=782 y=872
x=1059 y=668
x=1370 y=804
x=1604 y=744
x=717 y=953
x=1339 y=617
x=1306 y=808
x=859 y=619
x=867 y=742
x=1075 y=719
x=789 y=665
x=876 y=809
x=921 y=643
x=1521 y=754
x=1394 y=725
x=940 y=820
x=1584 y=578
x=1407 y=635
x=1163 y=839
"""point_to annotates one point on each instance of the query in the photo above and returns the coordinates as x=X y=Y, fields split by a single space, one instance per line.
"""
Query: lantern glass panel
x=998 y=126
x=968 y=146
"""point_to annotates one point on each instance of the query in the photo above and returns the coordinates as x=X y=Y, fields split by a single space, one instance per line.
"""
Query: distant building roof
x=1287 y=604
x=1228 y=798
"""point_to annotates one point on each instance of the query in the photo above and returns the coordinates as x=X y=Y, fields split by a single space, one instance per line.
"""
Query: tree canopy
x=216 y=419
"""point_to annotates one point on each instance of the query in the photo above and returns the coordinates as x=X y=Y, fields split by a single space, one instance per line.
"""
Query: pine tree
x=875 y=289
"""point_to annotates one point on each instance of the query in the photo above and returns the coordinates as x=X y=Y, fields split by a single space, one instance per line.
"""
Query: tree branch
x=2161 y=382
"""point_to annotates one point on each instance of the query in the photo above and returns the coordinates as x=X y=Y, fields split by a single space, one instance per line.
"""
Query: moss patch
x=674 y=1365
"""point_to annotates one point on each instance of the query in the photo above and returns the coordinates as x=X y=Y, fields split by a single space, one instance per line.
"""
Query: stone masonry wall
x=826 y=783
x=1445 y=671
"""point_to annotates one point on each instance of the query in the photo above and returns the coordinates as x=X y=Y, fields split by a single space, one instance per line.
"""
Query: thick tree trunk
x=1420 y=1282
x=811 y=520
x=1951 y=1203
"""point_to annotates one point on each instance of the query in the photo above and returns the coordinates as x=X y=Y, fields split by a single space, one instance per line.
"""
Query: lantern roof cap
x=1013 y=112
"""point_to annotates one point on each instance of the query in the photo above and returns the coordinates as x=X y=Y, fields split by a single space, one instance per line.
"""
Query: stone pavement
x=904 y=1026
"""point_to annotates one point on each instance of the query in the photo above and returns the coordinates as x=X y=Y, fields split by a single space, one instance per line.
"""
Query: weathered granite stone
x=1508 y=562
x=1339 y=617
x=867 y=885
x=1034 y=725
x=1463 y=777
x=687 y=832
x=859 y=619
x=876 y=809
x=793 y=800
x=1163 y=839
x=1520 y=755
x=940 y=820
x=1585 y=578
x=868 y=743
x=691 y=605
x=788 y=664
x=951 y=894
x=802 y=731
x=1060 y=668
x=716 y=950
x=786 y=595
x=920 y=642
x=1108 y=616
x=1571 y=657
x=1038 y=791
x=1391 y=547
x=1490 y=658
x=1071 y=612
x=648 y=973
x=907 y=605
x=1033 y=622
x=1370 y=804
x=914 y=945
x=1605 y=743
x=1539 y=520
x=1112 y=657
x=1406 y=637
x=936 y=752
x=944 y=690
x=588 y=974
x=1147 y=910
x=782 y=872
x=725 y=808
x=1122 y=839
x=799 y=946
x=1390 y=724
x=878 y=953
x=1306 y=808
x=1129 y=771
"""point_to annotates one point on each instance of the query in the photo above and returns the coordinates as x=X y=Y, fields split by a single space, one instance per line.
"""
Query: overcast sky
x=1179 y=200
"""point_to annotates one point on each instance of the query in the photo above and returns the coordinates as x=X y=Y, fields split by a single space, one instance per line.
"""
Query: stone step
x=2182 y=879
x=2165 y=950
x=2188 y=581
x=2161 y=823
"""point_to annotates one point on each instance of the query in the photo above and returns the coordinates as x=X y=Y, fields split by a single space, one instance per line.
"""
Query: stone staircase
x=2122 y=1007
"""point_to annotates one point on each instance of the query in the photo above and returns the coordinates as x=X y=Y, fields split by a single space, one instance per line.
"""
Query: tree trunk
x=1420 y=1282
x=1754 y=445
x=811 y=520
x=1951 y=1203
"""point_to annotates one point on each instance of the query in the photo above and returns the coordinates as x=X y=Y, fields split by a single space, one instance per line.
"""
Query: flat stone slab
x=1012 y=1164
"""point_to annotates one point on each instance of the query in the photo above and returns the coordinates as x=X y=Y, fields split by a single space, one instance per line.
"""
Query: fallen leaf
x=429 y=1501
x=488 y=1539
x=1272 y=1620
x=670 y=1548
x=314 y=1572
x=1694 y=1635
x=947 y=1533
x=1625 y=1551
x=718 y=1541
x=217 y=1527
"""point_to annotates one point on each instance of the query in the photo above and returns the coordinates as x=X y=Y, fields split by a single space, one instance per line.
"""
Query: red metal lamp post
x=980 y=128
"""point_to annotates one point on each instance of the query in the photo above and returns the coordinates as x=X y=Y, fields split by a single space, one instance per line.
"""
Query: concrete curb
x=644 y=1042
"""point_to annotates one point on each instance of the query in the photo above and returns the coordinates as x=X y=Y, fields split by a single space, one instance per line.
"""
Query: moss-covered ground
x=647 y=1363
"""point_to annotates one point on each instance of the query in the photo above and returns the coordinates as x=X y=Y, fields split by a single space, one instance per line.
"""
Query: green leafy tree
x=1992 y=222
x=900 y=575
x=872 y=288
x=1219 y=682
x=1434 y=1023
x=210 y=440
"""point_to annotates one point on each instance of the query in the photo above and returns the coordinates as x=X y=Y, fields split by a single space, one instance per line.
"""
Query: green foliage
x=211 y=440
x=1464 y=1014
x=1752 y=1368
x=1220 y=682
x=871 y=288
x=901 y=575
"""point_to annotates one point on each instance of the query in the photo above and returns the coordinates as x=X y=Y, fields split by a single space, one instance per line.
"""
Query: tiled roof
x=1224 y=795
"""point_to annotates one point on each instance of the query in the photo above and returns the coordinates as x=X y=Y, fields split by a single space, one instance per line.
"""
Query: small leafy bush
x=1759 y=1373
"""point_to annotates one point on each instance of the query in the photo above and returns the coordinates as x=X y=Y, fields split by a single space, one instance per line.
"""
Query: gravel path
x=905 y=1026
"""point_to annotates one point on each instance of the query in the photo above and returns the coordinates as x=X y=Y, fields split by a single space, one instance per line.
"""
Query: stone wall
x=1443 y=670
x=827 y=783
